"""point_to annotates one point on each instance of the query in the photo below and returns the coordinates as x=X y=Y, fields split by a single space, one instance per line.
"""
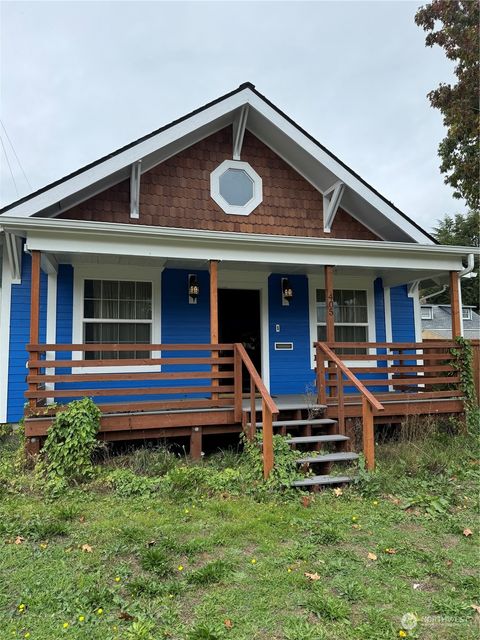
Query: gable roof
x=272 y=126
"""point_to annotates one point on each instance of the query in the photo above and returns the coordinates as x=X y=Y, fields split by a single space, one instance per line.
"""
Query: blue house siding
x=403 y=318
x=20 y=337
x=290 y=371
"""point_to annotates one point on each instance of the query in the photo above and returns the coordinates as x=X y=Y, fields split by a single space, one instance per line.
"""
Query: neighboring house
x=437 y=321
x=230 y=225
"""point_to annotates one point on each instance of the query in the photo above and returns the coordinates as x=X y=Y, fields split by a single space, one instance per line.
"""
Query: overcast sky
x=80 y=79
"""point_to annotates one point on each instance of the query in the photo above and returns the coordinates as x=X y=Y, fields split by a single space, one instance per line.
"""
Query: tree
x=461 y=230
x=454 y=26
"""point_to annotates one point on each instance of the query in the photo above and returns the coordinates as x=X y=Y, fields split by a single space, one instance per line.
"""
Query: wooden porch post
x=455 y=304
x=213 y=301
x=32 y=445
x=214 y=318
x=330 y=320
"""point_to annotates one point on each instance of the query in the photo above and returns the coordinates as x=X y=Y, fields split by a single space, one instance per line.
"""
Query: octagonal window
x=236 y=187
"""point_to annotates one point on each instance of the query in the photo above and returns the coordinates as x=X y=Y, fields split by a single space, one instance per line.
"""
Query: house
x=437 y=321
x=183 y=280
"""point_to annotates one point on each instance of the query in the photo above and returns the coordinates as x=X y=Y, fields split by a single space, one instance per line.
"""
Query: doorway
x=239 y=321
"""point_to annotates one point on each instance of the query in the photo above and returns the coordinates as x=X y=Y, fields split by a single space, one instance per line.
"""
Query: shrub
x=70 y=443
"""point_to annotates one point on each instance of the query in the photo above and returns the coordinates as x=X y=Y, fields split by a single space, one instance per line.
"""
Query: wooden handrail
x=352 y=377
x=269 y=408
x=369 y=402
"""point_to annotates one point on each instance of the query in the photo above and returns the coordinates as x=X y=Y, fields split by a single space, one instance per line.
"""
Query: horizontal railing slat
x=67 y=393
x=129 y=347
x=402 y=382
x=133 y=362
x=445 y=344
x=135 y=376
x=398 y=369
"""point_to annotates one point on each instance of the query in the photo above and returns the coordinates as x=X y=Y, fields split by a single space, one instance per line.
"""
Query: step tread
x=288 y=406
x=315 y=480
x=298 y=423
x=310 y=439
x=340 y=456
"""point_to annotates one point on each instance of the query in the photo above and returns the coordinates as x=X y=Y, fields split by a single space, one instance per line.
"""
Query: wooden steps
x=321 y=481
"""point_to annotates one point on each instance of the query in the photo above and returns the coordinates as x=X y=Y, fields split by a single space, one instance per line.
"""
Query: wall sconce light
x=287 y=292
x=193 y=288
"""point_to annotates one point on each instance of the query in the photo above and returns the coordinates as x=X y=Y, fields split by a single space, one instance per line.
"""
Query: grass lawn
x=152 y=550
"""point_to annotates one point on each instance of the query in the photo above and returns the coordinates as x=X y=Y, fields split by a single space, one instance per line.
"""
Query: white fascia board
x=122 y=160
x=122 y=239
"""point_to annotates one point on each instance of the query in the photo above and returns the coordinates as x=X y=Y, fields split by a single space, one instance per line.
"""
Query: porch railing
x=333 y=375
x=379 y=372
x=174 y=376
x=268 y=407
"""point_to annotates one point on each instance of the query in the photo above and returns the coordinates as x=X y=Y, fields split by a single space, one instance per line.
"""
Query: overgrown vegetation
x=150 y=546
x=67 y=453
x=463 y=364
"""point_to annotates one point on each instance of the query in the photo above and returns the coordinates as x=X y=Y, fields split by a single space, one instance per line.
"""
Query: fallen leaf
x=82 y=519
x=123 y=615
x=393 y=499
x=151 y=543
x=449 y=563
x=356 y=526
x=228 y=624
x=391 y=551
x=312 y=576
x=467 y=532
x=19 y=540
x=372 y=556
x=417 y=585
x=337 y=492
x=306 y=501
x=87 y=548
x=476 y=607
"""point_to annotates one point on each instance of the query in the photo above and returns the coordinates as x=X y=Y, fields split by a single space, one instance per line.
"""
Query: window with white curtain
x=117 y=312
x=350 y=312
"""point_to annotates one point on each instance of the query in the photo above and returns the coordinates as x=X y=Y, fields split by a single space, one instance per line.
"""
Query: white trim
x=468 y=314
x=387 y=303
x=51 y=333
x=343 y=282
x=5 y=307
x=331 y=202
x=253 y=280
x=413 y=292
x=164 y=242
x=107 y=271
x=13 y=250
x=242 y=210
x=135 y=178
x=239 y=125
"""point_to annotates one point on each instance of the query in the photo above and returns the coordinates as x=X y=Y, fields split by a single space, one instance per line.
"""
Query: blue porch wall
x=20 y=337
x=403 y=315
x=290 y=371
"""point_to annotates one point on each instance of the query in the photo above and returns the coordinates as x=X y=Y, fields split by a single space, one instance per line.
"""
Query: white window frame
x=466 y=313
x=231 y=209
x=130 y=273
x=428 y=310
x=343 y=282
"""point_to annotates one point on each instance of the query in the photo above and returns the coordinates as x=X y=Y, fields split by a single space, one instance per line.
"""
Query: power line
x=16 y=156
x=8 y=163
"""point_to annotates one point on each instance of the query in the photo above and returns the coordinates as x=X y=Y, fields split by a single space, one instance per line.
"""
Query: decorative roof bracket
x=331 y=201
x=135 y=189
x=239 y=125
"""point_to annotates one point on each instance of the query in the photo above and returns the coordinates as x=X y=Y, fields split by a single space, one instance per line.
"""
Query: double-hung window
x=117 y=312
x=350 y=312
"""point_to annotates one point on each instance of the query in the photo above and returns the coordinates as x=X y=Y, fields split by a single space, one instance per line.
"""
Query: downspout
x=469 y=267
x=435 y=293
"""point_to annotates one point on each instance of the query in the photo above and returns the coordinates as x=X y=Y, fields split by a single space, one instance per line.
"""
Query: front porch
x=307 y=387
